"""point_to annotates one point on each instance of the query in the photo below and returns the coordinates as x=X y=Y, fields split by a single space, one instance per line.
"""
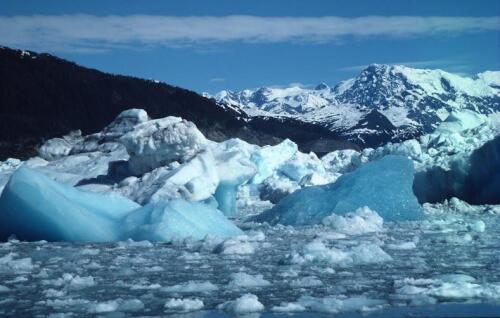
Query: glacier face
x=383 y=103
x=384 y=185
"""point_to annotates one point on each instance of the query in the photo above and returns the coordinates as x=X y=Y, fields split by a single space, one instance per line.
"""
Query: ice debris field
x=148 y=217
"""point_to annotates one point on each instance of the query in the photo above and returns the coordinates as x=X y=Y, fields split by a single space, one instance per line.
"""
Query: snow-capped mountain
x=383 y=103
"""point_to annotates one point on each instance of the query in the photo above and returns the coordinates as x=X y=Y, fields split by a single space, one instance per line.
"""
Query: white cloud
x=95 y=33
x=217 y=79
x=459 y=66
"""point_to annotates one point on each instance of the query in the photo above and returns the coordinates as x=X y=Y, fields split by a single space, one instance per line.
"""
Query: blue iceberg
x=175 y=220
x=35 y=207
x=384 y=185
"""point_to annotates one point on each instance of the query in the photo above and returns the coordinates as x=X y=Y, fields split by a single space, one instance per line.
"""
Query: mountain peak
x=321 y=86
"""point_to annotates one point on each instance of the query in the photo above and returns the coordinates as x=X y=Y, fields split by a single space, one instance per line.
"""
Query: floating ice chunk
x=478 y=226
x=247 y=303
x=184 y=305
x=194 y=180
x=318 y=252
x=17 y=266
x=4 y=289
x=276 y=188
x=155 y=143
x=449 y=287
x=301 y=165
x=104 y=307
x=242 y=244
x=289 y=307
x=34 y=207
x=340 y=161
x=77 y=282
x=191 y=287
x=54 y=149
x=176 y=220
x=269 y=158
x=334 y=305
x=402 y=246
x=384 y=185
x=131 y=305
x=244 y=280
x=124 y=123
x=369 y=253
x=234 y=169
x=362 y=221
x=308 y=281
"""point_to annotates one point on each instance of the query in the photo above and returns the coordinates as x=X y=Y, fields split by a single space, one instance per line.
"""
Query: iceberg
x=269 y=158
x=155 y=143
x=384 y=185
x=176 y=220
x=35 y=207
x=193 y=180
x=234 y=169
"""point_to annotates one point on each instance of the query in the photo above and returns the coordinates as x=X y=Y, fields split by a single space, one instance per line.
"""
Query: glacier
x=384 y=185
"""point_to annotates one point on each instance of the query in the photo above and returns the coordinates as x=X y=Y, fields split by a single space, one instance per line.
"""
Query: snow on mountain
x=383 y=103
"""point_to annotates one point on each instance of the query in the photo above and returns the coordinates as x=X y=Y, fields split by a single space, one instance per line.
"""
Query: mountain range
x=384 y=103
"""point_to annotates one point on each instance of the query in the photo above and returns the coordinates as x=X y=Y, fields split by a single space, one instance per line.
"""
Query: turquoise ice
x=384 y=185
x=35 y=207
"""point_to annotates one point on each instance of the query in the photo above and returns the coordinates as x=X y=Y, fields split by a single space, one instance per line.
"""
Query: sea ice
x=247 y=303
x=243 y=280
x=183 y=305
x=361 y=221
x=191 y=287
x=384 y=185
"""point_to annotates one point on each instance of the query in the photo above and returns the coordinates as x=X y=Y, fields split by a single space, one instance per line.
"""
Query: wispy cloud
x=217 y=80
x=96 y=33
x=457 y=66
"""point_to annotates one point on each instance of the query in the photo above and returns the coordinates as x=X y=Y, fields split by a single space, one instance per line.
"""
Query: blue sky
x=214 y=45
